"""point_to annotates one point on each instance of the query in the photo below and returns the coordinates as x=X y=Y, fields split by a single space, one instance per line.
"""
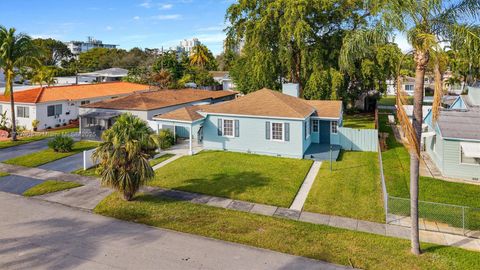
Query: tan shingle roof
x=326 y=108
x=189 y=114
x=264 y=102
x=159 y=99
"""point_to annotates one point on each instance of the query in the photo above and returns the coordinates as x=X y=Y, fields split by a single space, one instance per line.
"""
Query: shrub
x=166 y=139
x=61 y=143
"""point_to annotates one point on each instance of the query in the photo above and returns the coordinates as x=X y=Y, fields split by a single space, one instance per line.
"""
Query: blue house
x=453 y=142
x=264 y=122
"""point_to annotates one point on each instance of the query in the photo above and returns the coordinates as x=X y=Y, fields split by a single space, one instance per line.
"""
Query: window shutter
x=305 y=129
x=219 y=127
x=267 y=130
x=287 y=131
x=237 y=128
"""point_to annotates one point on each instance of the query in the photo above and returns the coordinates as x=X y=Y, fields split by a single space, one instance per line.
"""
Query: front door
x=325 y=132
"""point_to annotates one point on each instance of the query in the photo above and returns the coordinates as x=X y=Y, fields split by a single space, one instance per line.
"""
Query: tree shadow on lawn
x=226 y=185
x=68 y=242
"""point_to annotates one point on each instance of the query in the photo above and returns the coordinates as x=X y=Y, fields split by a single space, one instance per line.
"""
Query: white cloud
x=45 y=36
x=109 y=28
x=164 y=17
x=165 y=6
x=146 y=4
x=212 y=28
x=136 y=18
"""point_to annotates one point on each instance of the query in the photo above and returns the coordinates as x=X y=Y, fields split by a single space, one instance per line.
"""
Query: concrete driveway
x=24 y=149
x=17 y=184
x=41 y=235
x=68 y=164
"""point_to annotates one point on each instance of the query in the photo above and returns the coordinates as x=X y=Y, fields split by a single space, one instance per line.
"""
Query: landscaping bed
x=46 y=156
x=352 y=189
x=357 y=249
x=50 y=186
x=248 y=177
x=36 y=136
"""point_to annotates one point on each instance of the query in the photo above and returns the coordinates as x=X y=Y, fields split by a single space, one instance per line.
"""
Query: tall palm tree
x=199 y=56
x=16 y=51
x=123 y=155
x=427 y=24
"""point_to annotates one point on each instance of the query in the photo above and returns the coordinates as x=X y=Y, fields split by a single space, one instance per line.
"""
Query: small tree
x=124 y=154
x=61 y=143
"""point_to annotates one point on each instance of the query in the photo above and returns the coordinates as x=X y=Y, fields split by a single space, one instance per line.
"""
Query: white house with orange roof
x=58 y=105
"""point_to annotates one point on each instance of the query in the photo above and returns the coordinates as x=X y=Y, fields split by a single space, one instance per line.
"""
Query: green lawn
x=248 y=177
x=360 y=120
x=357 y=249
x=92 y=172
x=2 y=174
x=45 y=156
x=352 y=189
x=396 y=162
x=161 y=159
x=391 y=101
x=40 y=136
x=50 y=186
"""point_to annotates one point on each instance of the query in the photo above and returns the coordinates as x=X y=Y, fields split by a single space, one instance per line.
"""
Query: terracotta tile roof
x=326 y=108
x=75 y=92
x=264 y=102
x=159 y=99
x=188 y=114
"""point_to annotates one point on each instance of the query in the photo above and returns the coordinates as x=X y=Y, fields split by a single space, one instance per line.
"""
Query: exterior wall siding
x=452 y=167
x=435 y=152
x=252 y=137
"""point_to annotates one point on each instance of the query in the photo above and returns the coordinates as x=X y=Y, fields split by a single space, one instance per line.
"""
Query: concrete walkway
x=302 y=194
x=23 y=149
x=39 y=235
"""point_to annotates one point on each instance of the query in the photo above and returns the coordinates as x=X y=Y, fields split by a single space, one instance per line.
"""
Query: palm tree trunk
x=12 y=107
x=421 y=60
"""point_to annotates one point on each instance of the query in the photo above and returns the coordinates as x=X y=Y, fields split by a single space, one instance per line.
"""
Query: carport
x=93 y=124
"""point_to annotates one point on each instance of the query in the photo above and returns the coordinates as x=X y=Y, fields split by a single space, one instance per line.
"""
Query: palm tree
x=44 y=75
x=16 y=51
x=199 y=56
x=124 y=153
x=427 y=24
x=162 y=79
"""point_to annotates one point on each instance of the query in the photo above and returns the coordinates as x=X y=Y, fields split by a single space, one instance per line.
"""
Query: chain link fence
x=436 y=216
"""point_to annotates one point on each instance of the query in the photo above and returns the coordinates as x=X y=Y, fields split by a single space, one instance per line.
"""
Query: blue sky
x=129 y=23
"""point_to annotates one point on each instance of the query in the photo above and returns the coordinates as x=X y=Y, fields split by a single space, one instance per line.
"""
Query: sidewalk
x=88 y=196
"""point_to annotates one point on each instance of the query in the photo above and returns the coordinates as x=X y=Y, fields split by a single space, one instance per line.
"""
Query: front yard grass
x=359 y=120
x=50 y=186
x=156 y=161
x=45 y=156
x=352 y=189
x=3 y=174
x=360 y=250
x=248 y=177
x=33 y=138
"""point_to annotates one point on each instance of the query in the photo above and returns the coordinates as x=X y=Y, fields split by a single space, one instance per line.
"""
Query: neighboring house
x=77 y=47
x=57 y=105
x=264 y=122
x=408 y=85
x=99 y=116
x=409 y=110
x=223 y=78
x=105 y=75
x=453 y=142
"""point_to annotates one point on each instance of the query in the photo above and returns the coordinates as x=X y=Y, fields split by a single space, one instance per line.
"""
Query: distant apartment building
x=186 y=46
x=77 y=47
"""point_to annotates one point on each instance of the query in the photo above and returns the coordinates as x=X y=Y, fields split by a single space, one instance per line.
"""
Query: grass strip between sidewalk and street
x=341 y=246
x=46 y=156
x=50 y=186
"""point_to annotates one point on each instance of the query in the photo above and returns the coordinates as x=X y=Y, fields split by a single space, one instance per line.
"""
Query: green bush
x=166 y=139
x=61 y=143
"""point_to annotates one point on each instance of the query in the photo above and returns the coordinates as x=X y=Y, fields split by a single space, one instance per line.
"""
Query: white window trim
x=307 y=123
x=233 y=128
x=283 y=132
x=460 y=159
x=54 y=110
x=331 y=127
x=27 y=108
